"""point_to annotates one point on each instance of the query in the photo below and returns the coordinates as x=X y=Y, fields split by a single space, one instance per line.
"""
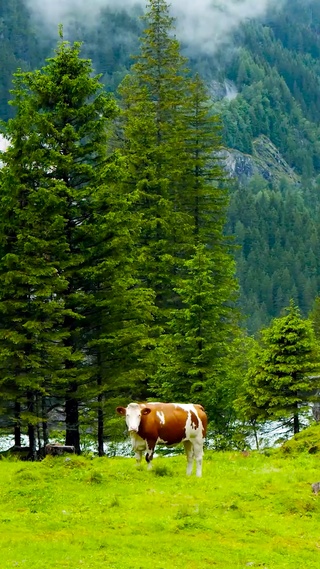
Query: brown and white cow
x=167 y=423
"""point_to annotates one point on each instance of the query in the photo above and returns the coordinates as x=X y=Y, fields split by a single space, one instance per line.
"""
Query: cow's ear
x=146 y=411
x=121 y=410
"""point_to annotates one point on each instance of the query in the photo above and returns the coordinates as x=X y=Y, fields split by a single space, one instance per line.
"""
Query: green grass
x=77 y=513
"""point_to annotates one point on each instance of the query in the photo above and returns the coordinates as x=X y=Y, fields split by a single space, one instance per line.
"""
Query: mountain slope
x=267 y=89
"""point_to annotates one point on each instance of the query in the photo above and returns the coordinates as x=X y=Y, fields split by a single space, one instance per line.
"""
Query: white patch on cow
x=161 y=416
x=138 y=446
x=187 y=407
x=137 y=442
x=192 y=429
x=133 y=417
x=194 y=436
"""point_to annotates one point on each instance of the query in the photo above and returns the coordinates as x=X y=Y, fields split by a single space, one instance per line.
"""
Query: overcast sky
x=203 y=24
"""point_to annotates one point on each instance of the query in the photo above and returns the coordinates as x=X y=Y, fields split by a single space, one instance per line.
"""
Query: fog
x=201 y=24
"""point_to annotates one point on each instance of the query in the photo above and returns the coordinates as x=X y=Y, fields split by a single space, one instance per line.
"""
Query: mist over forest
x=203 y=25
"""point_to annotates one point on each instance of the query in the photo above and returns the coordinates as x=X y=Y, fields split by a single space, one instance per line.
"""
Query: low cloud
x=53 y=12
x=208 y=24
x=201 y=24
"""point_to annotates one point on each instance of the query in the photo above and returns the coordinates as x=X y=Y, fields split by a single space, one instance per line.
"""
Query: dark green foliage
x=171 y=145
x=278 y=231
x=154 y=98
x=315 y=317
x=72 y=313
x=277 y=73
x=281 y=380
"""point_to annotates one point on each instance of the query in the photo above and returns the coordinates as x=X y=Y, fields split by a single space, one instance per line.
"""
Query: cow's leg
x=188 y=447
x=138 y=446
x=150 y=453
x=198 y=455
x=138 y=455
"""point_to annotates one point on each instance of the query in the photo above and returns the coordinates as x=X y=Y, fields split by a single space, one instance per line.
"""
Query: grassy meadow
x=89 y=513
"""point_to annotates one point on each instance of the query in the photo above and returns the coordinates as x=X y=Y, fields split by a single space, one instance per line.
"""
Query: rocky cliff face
x=265 y=161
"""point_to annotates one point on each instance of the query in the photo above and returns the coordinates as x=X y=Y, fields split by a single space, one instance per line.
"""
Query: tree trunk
x=100 y=422
x=45 y=434
x=72 y=418
x=296 y=422
x=255 y=434
x=31 y=427
x=38 y=426
x=17 y=424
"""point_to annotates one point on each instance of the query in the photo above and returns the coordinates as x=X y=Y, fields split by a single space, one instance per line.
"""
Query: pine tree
x=202 y=324
x=171 y=141
x=119 y=309
x=154 y=98
x=66 y=253
x=280 y=383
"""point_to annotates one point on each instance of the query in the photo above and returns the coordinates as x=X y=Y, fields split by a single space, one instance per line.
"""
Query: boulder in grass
x=56 y=449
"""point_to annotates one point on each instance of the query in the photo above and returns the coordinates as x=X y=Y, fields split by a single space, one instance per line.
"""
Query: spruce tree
x=118 y=309
x=171 y=141
x=154 y=97
x=67 y=241
x=314 y=316
x=202 y=325
x=281 y=380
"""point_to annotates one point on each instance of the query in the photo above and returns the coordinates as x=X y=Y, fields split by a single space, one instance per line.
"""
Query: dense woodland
x=132 y=264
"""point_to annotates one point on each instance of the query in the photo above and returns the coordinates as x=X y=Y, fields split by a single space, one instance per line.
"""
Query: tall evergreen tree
x=65 y=251
x=202 y=324
x=171 y=143
x=315 y=317
x=281 y=381
x=154 y=99
x=119 y=308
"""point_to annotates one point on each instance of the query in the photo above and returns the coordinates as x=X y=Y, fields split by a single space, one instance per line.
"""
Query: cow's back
x=171 y=423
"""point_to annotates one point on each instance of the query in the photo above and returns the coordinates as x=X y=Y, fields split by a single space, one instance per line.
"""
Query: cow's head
x=133 y=414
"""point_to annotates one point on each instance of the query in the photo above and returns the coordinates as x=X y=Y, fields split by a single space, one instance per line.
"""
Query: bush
x=307 y=440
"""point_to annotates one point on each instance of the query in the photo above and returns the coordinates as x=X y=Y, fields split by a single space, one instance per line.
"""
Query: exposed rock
x=222 y=90
x=56 y=449
x=265 y=161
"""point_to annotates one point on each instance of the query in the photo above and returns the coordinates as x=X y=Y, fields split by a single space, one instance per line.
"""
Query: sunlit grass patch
x=102 y=512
